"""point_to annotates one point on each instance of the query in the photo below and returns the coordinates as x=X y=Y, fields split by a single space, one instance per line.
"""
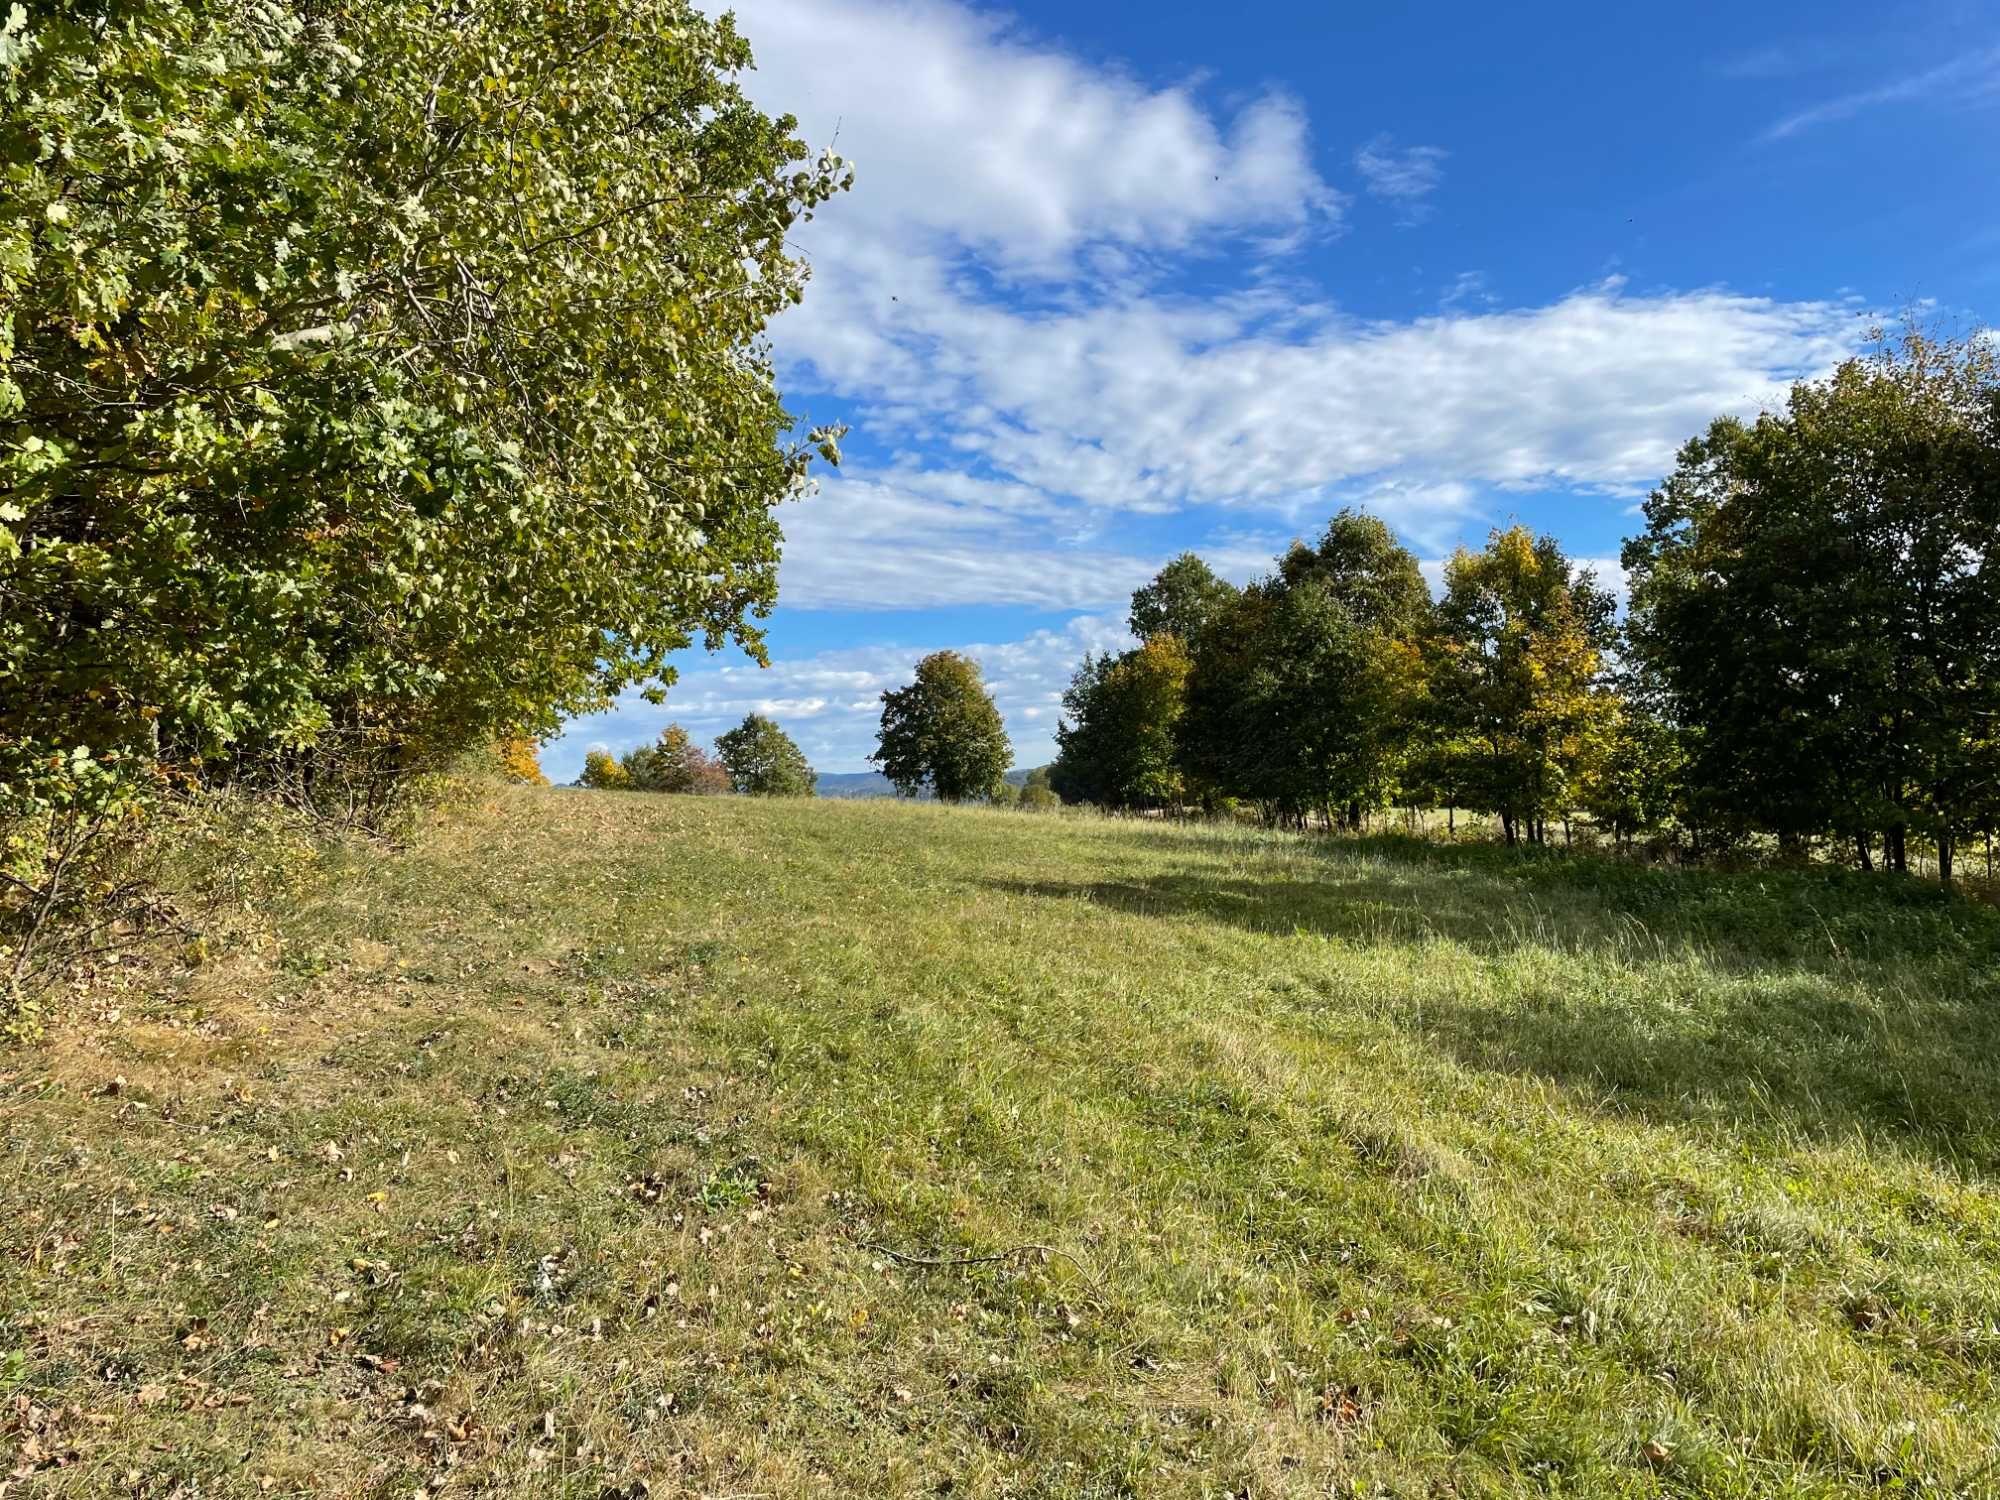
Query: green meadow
x=605 y=1145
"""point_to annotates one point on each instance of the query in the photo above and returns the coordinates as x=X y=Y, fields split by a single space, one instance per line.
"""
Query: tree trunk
x=1946 y=845
x=1354 y=814
x=1861 y=848
x=1895 y=851
x=1507 y=827
x=1451 y=831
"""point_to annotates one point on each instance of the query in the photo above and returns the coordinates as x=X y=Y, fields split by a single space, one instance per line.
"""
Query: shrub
x=602 y=772
x=520 y=760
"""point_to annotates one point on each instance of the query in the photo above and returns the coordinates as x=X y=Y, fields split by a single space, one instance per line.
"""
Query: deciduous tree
x=378 y=378
x=1512 y=674
x=1817 y=593
x=1299 y=697
x=675 y=763
x=1180 y=601
x=762 y=760
x=943 y=732
x=1116 y=737
x=603 y=773
x=520 y=760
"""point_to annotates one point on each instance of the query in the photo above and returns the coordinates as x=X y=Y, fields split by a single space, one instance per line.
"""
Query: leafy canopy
x=943 y=732
x=1299 y=693
x=1513 y=671
x=1116 y=737
x=1816 y=596
x=762 y=760
x=675 y=763
x=378 y=377
x=1180 y=601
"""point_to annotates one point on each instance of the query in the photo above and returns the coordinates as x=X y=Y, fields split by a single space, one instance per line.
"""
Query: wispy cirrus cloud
x=1783 y=59
x=1405 y=176
x=1971 y=78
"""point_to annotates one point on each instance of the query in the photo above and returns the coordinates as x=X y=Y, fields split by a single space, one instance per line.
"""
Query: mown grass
x=573 y=1152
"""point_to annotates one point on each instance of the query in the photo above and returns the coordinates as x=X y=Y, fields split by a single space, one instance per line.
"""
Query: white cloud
x=984 y=158
x=962 y=128
x=1402 y=175
x=1155 y=403
x=931 y=539
x=1000 y=297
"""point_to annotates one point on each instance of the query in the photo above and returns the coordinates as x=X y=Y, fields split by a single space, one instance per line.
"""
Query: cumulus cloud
x=962 y=129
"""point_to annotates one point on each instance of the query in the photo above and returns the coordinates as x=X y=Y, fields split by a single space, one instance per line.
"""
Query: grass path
x=578 y=1151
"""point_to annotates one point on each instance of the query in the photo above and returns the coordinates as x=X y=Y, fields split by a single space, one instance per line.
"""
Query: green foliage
x=943 y=732
x=1512 y=667
x=762 y=761
x=1815 y=595
x=1180 y=601
x=1634 y=773
x=1040 y=797
x=603 y=773
x=377 y=380
x=1116 y=738
x=675 y=763
x=1301 y=691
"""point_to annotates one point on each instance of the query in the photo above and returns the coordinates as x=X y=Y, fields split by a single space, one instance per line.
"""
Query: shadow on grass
x=1817 y=1002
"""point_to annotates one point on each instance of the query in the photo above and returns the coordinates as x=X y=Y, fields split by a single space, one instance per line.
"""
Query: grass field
x=583 y=1149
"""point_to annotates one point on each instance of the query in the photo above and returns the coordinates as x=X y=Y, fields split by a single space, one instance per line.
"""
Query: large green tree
x=1514 y=667
x=1181 y=600
x=1816 y=593
x=1300 y=692
x=379 y=375
x=763 y=761
x=943 y=733
x=1116 y=737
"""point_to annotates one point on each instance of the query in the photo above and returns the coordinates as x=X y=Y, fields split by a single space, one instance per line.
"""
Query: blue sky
x=1121 y=279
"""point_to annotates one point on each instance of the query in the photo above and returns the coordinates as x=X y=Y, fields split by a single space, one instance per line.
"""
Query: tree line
x=755 y=759
x=1810 y=652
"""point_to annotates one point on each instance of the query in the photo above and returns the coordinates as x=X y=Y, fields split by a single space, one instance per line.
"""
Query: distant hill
x=875 y=784
x=853 y=784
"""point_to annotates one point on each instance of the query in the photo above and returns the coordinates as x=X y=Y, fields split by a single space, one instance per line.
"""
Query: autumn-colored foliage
x=520 y=760
x=675 y=763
